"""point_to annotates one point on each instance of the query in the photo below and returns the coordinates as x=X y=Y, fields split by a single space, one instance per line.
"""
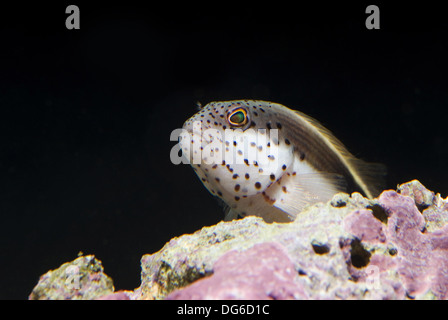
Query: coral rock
x=422 y=256
x=392 y=247
x=81 y=279
x=119 y=295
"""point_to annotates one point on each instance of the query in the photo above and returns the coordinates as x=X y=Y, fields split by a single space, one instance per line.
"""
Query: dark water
x=86 y=115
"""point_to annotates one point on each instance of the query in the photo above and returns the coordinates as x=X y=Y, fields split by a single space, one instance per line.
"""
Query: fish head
x=234 y=148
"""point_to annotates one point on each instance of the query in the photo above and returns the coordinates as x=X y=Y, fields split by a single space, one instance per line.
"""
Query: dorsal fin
x=368 y=176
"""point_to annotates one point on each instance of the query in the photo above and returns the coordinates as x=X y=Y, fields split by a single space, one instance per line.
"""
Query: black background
x=86 y=115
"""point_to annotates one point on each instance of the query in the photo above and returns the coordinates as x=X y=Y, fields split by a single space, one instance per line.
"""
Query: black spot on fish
x=279 y=125
x=220 y=193
x=302 y=156
x=247 y=176
x=257 y=185
x=287 y=142
x=237 y=187
x=235 y=176
x=284 y=167
x=268 y=125
x=246 y=162
x=237 y=198
x=267 y=198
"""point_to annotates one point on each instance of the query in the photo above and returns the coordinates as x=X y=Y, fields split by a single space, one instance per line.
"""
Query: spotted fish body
x=278 y=161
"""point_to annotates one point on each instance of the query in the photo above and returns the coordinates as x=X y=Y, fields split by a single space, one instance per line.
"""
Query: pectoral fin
x=231 y=214
x=293 y=193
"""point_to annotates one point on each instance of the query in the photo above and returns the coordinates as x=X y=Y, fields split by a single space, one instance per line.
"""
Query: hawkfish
x=261 y=158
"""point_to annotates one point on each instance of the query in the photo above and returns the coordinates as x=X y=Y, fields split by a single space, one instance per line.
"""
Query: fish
x=261 y=158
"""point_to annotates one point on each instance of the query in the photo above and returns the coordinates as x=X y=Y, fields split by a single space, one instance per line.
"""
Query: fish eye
x=237 y=117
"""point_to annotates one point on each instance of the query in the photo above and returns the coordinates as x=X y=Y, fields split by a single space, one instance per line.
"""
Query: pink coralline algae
x=261 y=272
x=419 y=257
x=119 y=295
x=422 y=256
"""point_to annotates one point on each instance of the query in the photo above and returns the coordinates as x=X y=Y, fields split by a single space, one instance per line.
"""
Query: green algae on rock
x=81 y=279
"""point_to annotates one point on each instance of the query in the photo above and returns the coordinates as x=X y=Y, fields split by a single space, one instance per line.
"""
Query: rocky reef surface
x=391 y=247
